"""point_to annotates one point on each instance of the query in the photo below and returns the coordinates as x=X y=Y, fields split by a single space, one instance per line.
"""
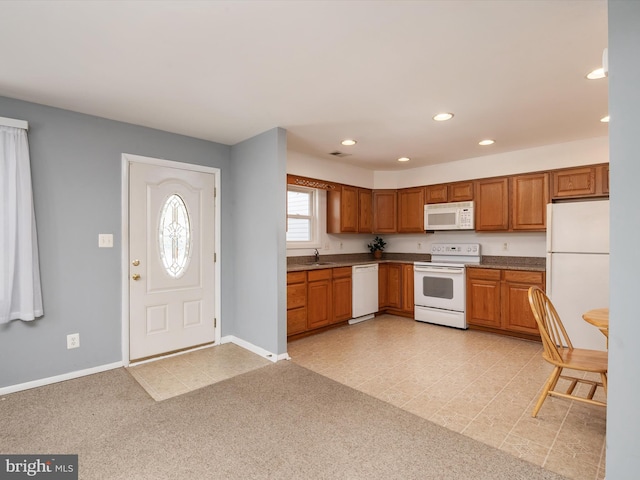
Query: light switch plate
x=105 y=240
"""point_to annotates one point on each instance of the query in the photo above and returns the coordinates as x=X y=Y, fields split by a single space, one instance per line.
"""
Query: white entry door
x=171 y=259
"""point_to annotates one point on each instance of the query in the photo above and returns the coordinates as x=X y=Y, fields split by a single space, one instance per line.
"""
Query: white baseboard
x=59 y=378
x=254 y=349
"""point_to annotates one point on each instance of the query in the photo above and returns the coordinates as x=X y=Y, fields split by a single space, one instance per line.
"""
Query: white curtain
x=20 y=291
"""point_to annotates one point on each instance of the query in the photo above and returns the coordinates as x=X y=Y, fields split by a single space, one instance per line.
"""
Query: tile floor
x=171 y=376
x=478 y=384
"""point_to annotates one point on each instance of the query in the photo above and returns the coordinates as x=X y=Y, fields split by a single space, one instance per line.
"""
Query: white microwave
x=449 y=216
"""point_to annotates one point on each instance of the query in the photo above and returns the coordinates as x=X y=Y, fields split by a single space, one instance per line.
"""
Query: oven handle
x=457 y=271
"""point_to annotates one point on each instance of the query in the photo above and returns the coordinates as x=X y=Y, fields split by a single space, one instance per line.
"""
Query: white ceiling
x=376 y=71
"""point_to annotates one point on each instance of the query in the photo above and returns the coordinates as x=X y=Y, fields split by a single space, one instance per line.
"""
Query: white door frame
x=127 y=159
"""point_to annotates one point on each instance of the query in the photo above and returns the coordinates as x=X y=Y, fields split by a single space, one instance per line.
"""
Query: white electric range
x=439 y=285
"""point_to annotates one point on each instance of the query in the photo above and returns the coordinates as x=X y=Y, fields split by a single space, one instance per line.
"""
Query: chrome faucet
x=317 y=255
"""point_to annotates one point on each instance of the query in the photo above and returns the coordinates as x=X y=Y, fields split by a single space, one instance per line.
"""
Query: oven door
x=439 y=287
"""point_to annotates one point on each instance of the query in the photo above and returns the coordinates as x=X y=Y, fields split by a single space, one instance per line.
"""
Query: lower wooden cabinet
x=342 y=294
x=296 y=302
x=319 y=295
x=497 y=300
x=318 y=298
x=395 y=288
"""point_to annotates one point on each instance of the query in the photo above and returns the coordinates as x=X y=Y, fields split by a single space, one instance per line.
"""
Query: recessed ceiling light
x=488 y=141
x=404 y=159
x=596 y=74
x=441 y=117
x=348 y=142
x=605 y=119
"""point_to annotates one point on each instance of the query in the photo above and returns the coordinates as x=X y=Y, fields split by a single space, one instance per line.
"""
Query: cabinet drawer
x=315 y=275
x=296 y=277
x=341 y=272
x=483 y=273
x=296 y=296
x=296 y=321
x=524 y=276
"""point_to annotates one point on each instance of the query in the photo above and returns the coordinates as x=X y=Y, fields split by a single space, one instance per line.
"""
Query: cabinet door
x=604 y=175
x=407 y=289
x=492 y=204
x=395 y=286
x=384 y=211
x=319 y=311
x=411 y=210
x=461 y=192
x=436 y=193
x=365 y=214
x=529 y=198
x=516 y=311
x=483 y=297
x=342 y=294
x=296 y=321
x=296 y=302
x=574 y=182
x=383 y=286
x=342 y=210
x=341 y=299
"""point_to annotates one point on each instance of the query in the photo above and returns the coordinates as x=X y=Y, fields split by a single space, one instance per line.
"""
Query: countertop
x=299 y=264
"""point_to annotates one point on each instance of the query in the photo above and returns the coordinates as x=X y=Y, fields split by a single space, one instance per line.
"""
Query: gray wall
x=623 y=415
x=259 y=202
x=76 y=172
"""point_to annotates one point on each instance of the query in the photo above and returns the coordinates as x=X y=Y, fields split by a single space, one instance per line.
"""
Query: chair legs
x=550 y=385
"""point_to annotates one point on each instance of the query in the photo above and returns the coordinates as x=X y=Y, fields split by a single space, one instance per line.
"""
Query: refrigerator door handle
x=549 y=229
x=548 y=275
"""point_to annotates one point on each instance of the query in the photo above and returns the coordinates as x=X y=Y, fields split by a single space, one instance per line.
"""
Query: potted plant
x=377 y=247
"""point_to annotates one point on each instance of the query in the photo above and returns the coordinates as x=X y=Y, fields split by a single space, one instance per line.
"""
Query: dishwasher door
x=365 y=290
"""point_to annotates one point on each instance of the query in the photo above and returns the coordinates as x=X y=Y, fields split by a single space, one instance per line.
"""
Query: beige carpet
x=277 y=422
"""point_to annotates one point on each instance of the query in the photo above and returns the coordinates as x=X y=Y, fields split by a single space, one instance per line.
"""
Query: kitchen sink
x=320 y=263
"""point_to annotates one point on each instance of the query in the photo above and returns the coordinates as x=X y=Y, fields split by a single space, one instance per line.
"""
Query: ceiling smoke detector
x=339 y=154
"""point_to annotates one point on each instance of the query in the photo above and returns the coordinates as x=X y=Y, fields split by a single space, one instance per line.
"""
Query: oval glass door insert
x=174 y=235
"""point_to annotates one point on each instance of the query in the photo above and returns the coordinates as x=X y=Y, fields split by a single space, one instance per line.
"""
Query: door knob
x=136 y=276
x=135 y=263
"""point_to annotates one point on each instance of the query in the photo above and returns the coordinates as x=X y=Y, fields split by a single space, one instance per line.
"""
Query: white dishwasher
x=364 y=292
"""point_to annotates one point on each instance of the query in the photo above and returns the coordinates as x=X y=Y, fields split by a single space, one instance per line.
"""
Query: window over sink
x=302 y=217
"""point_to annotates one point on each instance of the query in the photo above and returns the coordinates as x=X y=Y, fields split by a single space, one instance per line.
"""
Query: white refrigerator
x=578 y=266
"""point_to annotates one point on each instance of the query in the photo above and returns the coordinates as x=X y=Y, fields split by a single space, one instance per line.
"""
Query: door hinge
x=215 y=192
x=215 y=322
x=215 y=257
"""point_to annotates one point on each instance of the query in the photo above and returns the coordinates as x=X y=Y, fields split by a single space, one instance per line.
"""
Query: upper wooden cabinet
x=342 y=210
x=385 y=209
x=492 y=204
x=365 y=212
x=349 y=210
x=580 y=182
x=449 y=192
x=411 y=210
x=437 y=193
x=529 y=198
x=515 y=203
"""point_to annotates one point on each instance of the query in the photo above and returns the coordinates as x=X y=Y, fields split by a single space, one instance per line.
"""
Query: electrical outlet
x=327 y=246
x=73 y=340
x=340 y=245
x=419 y=245
x=505 y=246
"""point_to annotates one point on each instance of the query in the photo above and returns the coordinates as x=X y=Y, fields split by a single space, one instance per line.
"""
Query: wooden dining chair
x=559 y=352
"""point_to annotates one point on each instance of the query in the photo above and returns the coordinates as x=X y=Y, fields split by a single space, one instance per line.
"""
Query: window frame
x=314 y=218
